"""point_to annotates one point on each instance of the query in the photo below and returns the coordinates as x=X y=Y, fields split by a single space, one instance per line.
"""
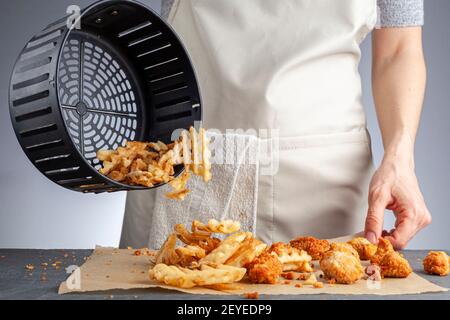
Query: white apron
x=290 y=65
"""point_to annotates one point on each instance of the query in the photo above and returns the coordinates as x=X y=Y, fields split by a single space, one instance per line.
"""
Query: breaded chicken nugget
x=364 y=247
x=313 y=246
x=437 y=262
x=342 y=266
x=266 y=268
x=384 y=247
x=393 y=265
x=344 y=247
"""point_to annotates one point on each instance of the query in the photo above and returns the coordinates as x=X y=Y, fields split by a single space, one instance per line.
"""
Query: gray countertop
x=16 y=282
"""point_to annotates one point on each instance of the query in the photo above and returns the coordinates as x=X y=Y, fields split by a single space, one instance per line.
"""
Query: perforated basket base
x=98 y=96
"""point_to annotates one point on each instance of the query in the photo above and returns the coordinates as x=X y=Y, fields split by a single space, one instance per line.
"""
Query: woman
x=292 y=65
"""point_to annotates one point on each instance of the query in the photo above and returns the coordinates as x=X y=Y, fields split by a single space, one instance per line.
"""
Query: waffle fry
x=226 y=248
x=194 y=151
x=292 y=258
x=215 y=226
x=151 y=163
x=186 y=278
x=206 y=156
x=247 y=252
x=167 y=252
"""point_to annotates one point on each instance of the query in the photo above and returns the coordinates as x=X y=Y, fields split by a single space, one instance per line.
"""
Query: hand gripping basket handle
x=123 y=75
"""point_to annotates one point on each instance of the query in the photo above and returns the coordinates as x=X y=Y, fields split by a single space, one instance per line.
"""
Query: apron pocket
x=320 y=188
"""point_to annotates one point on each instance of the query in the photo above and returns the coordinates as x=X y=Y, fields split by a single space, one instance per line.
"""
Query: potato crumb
x=289 y=275
x=298 y=285
x=318 y=285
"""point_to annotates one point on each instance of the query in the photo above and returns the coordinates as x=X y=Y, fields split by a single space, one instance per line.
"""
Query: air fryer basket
x=124 y=75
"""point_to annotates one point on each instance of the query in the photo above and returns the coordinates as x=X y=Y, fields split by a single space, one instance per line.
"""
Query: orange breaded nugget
x=313 y=246
x=342 y=266
x=344 y=247
x=437 y=262
x=393 y=265
x=266 y=268
x=384 y=247
x=364 y=247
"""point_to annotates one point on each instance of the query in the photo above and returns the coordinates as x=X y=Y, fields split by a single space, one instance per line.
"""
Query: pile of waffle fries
x=152 y=163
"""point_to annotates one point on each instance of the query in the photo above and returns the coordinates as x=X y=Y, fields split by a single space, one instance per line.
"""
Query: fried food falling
x=384 y=247
x=364 y=247
x=393 y=265
x=437 y=262
x=344 y=247
x=291 y=258
x=266 y=268
x=215 y=226
x=313 y=246
x=151 y=163
x=187 y=278
x=342 y=266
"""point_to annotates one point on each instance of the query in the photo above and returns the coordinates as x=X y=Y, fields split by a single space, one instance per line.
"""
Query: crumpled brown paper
x=109 y=268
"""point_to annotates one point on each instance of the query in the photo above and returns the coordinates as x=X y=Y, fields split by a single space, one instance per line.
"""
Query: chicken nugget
x=384 y=247
x=313 y=246
x=437 y=262
x=342 y=266
x=344 y=247
x=364 y=247
x=393 y=265
x=266 y=268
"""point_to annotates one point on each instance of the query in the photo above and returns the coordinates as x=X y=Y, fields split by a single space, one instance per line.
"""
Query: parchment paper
x=110 y=268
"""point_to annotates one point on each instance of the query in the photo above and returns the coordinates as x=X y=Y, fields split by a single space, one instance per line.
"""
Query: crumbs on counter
x=251 y=295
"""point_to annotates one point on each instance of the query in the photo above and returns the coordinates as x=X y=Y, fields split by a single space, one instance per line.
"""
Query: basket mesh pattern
x=97 y=97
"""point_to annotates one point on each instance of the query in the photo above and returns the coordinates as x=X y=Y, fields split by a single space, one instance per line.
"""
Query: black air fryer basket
x=123 y=76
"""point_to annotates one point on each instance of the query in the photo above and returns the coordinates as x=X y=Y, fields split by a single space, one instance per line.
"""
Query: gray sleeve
x=166 y=5
x=400 y=13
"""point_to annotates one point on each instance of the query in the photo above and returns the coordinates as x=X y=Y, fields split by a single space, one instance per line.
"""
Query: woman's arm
x=398 y=79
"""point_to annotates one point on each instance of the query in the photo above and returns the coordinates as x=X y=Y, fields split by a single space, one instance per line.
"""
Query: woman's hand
x=394 y=187
x=398 y=82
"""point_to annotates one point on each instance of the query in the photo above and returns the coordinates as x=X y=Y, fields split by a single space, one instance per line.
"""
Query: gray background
x=36 y=213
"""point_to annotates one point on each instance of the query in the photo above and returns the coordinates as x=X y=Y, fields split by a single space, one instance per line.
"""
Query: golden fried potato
x=249 y=250
x=291 y=258
x=266 y=268
x=342 y=266
x=186 y=278
x=393 y=265
x=437 y=262
x=215 y=226
x=226 y=248
x=189 y=255
x=364 y=247
x=313 y=246
x=149 y=164
x=167 y=254
x=189 y=237
x=223 y=226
